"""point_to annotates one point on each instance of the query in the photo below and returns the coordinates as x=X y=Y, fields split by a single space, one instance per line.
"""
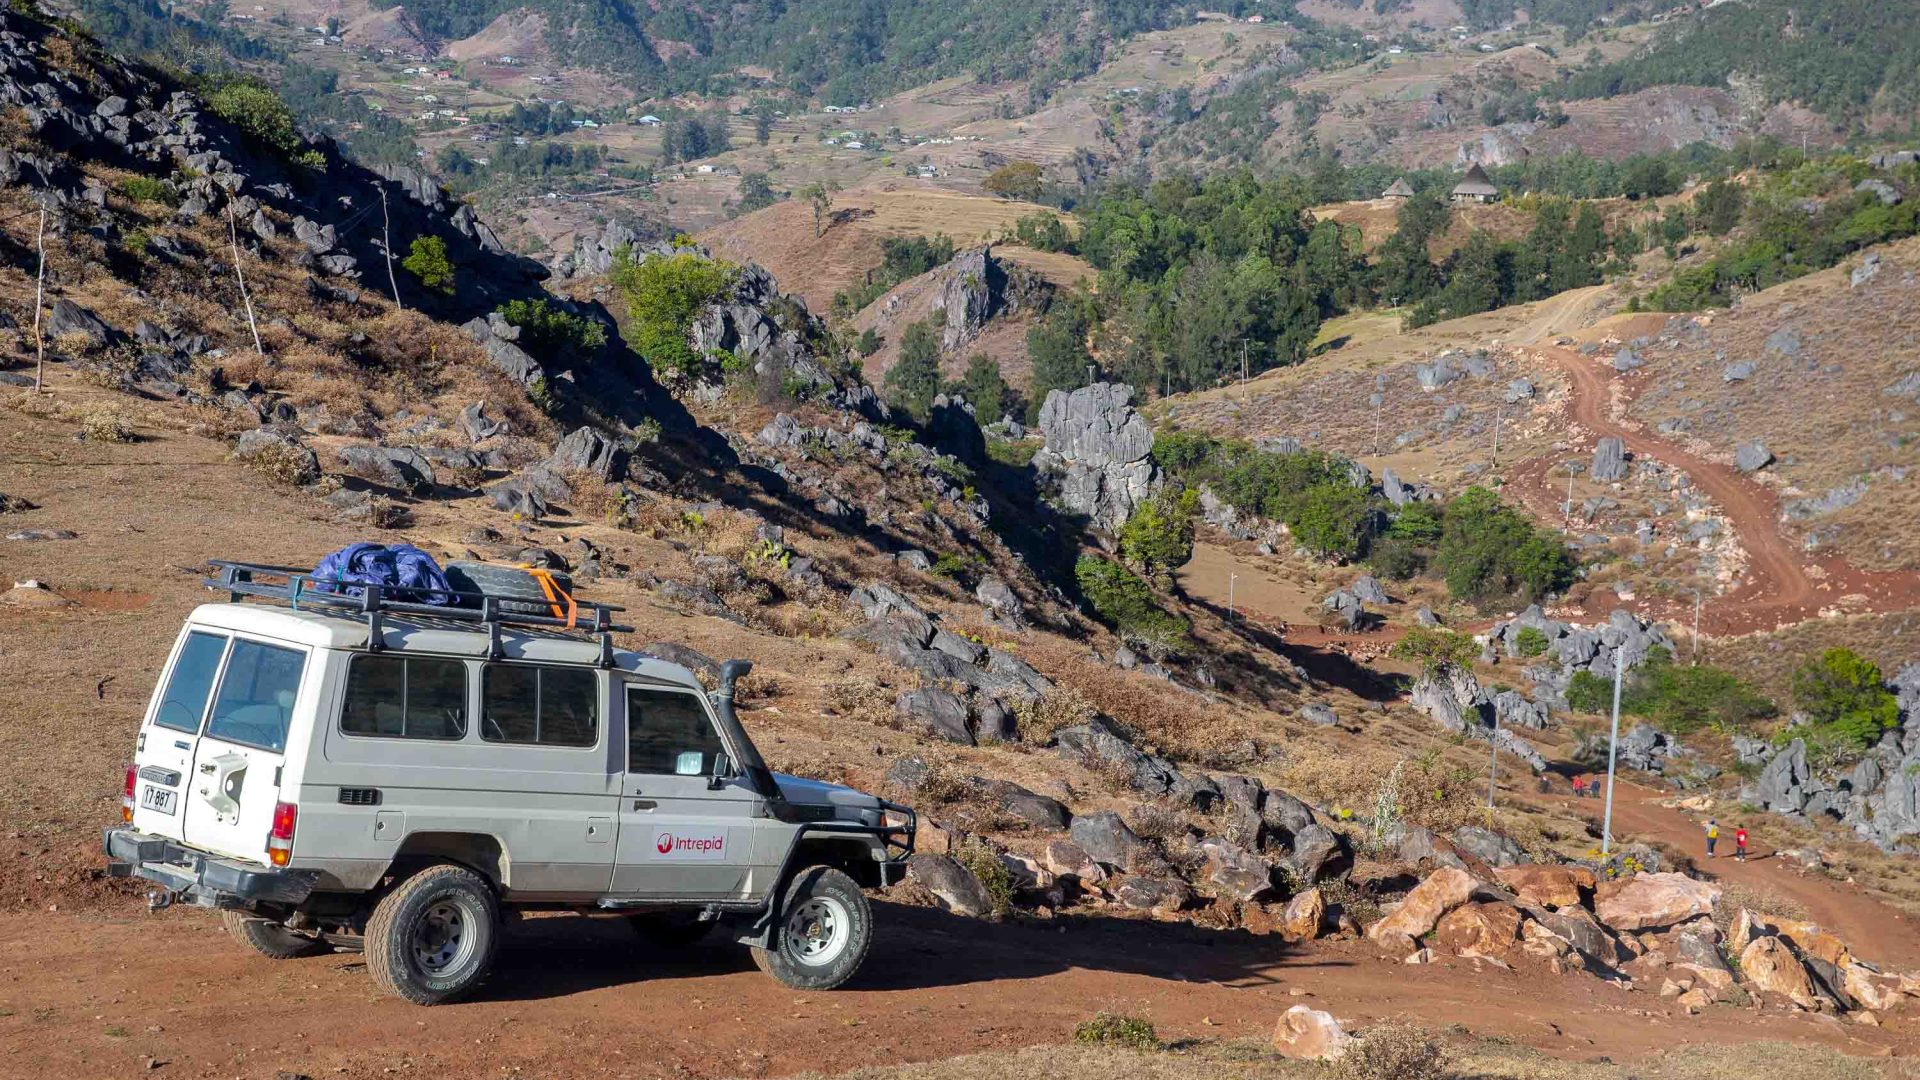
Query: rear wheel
x=824 y=930
x=269 y=938
x=432 y=938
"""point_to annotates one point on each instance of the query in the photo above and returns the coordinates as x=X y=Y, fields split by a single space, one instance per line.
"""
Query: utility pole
x=1231 y=578
x=1243 y=367
x=1089 y=374
x=39 y=300
x=1498 y=410
x=1566 y=508
x=1696 y=627
x=386 y=245
x=1613 y=751
x=1493 y=758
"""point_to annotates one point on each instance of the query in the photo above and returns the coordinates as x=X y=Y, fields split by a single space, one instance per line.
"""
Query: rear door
x=164 y=759
x=682 y=835
x=227 y=807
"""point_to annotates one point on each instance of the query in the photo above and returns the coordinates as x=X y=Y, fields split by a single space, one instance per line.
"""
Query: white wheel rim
x=445 y=938
x=818 y=929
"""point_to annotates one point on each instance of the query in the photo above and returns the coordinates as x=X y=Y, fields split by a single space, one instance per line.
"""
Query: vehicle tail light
x=280 y=837
x=126 y=797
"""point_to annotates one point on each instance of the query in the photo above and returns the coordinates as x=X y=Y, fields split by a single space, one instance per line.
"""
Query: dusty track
x=1780 y=586
x=93 y=996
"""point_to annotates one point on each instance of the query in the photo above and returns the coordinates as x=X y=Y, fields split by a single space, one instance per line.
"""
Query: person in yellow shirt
x=1713 y=835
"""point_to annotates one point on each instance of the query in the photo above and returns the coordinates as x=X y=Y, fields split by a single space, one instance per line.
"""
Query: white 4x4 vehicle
x=354 y=771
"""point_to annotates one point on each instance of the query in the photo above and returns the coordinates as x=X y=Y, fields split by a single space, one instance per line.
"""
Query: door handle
x=644 y=804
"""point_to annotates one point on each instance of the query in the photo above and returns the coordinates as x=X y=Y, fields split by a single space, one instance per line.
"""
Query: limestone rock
x=1488 y=930
x=1098 y=444
x=1770 y=965
x=1547 y=886
x=1651 y=901
x=1304 y=915
x=1609 y=460
x=951 y=884
x=1308 y=1034
x=1443 y=890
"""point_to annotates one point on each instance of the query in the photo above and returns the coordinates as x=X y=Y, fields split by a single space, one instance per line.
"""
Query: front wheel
x=269 y=938
x=431 y=939
x=824 y=930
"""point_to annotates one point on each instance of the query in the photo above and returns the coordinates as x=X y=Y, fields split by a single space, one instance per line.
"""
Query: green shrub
x=1158 y=538
x=1436 y=649
x=147 y=189
x=1312 y=493
x=1396 y=558
x=549 y=333
x=664 y=294
x=1110 y=1029
x=1589 y=693
x=262 y=117
x=427 y=259
x=1490 y=551
x=1120 y=599
x=1392 y=1052
x=914 y=379
x=995 y=879
x=1531 y=641
x=1845 y=697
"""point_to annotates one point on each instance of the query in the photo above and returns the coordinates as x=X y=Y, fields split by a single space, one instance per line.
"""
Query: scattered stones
x=1737 y=372
x=1304 y=915
x=951 y=884
x=1752 y=457
x=938 y=713
x=1106 y=839
x=1547 y=885
x=1442 y=891
x=1319 y=712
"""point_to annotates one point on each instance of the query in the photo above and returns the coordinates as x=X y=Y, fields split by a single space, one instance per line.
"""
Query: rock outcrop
x=1096 y=448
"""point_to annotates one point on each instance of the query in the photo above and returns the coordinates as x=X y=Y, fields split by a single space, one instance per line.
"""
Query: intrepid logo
x=693 y=847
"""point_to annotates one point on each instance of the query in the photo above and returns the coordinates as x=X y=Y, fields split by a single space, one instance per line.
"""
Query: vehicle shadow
x=914 y=948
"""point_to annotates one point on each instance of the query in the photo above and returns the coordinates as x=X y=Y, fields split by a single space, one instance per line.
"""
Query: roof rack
x=300 y=587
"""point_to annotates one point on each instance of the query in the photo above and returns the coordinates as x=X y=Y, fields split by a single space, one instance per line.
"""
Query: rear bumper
x=198 y=877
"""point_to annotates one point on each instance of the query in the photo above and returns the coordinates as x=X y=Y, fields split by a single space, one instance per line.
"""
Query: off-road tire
x=444 y=910
x=670 y=932
x=819 y=897
x=269 y=938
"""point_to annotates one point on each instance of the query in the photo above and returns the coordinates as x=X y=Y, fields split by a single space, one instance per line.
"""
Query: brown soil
x=1781 y=585
x=101 y=995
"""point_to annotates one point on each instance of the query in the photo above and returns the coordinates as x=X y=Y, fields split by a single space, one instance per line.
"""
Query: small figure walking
x=1713 y=836
x=1579 y=786
x=1740 y=843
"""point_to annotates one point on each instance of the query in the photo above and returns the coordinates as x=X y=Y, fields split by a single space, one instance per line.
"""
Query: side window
x=256 y=695
x=669 y=734
x=545 y=706
x=184 y=701
x=405 y=698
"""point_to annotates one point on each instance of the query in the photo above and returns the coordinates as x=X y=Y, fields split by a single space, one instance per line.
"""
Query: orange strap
x=556 y=595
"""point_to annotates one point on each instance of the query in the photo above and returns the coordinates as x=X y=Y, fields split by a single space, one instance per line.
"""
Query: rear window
x=543 y=706
x=256 y=695
x=405 y=698
x=184 y=701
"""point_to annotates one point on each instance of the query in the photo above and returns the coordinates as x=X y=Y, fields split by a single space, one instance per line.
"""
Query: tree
x=914 y=379
x=756 y=192
x=763 y=117
x=550 y=333
x=427 y=259
x=1717 y=210
x=1057 y=347
x=819 y=196
x=1331 y=520
x=1015 y=180
x=1158 y=538
x=985 y=389
x=1123 y=601
x=664 y=294
x=1843 y=693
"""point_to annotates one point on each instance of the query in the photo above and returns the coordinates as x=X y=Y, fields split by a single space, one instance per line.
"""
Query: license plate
x=158 y=798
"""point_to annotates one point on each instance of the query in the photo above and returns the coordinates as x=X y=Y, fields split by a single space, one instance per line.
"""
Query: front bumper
x=197 y=877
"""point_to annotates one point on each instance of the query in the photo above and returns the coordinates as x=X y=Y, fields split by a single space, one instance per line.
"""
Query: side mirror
x=722 y=772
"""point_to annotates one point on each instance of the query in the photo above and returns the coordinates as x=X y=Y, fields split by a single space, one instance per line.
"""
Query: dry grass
x=1061 y=707
x=1393 y=1052
x=1249 y=1060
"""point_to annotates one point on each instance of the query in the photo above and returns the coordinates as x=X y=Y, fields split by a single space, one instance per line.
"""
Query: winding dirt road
x=1781 y=586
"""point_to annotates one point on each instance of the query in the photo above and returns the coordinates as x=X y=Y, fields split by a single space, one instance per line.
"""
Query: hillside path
x=1780 y=586
x=1875 y=931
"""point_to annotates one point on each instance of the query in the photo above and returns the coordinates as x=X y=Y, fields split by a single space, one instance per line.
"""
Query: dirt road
x=1781 y=586
x=98 y=996
x=1877 y=932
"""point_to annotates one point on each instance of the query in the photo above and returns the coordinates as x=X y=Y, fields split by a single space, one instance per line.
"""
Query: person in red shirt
x=1579 y=786
x=1740 y=844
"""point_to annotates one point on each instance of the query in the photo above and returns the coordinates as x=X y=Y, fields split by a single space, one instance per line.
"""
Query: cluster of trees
x=1200 y=278
x=1483 y=549
x=685 y=138
x=914 y=380
x=1793 y=222
x=534 y=161
x=901 y=257
x=846 y=50
x=369 y=135
x=552 y=333
x=1565 y=249
x=1846 y=702
x=1126 y=603
x=539 y=118
x=1848 y=59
